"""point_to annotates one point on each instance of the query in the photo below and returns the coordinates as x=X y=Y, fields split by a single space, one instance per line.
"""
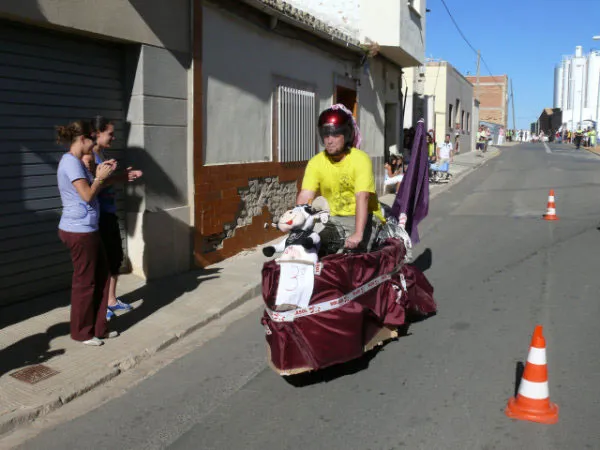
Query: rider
x=343 y=175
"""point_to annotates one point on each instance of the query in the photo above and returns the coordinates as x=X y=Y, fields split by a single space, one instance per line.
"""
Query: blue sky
x=523 y=39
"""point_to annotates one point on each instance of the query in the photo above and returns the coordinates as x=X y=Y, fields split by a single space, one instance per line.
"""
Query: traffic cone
x=533 y=400
x=551 y=210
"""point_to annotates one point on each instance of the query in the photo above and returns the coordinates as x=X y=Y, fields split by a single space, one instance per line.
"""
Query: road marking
x=547 y=148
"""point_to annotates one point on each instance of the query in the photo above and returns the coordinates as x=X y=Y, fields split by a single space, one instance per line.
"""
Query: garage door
x=46 y=79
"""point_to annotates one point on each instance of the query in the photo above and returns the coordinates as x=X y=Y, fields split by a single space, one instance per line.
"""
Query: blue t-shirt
x=107 y=196
x=77 y=215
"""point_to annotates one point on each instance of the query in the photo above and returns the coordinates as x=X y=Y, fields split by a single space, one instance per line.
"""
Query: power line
x=472 y=47
x=467 y=41
x=457 y=27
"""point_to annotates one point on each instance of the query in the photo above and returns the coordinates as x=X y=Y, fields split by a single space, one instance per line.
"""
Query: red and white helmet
x=335 y=122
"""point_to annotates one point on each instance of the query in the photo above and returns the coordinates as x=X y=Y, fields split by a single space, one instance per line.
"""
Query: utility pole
x=477 y=83
x=512 y=99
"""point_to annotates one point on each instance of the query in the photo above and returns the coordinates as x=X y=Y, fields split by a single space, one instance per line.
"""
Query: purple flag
x=412 y=199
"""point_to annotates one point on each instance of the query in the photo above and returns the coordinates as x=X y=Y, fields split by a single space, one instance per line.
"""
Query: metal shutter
x=46 y=79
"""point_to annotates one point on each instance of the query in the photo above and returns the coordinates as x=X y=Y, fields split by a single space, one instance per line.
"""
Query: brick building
x=492 y=94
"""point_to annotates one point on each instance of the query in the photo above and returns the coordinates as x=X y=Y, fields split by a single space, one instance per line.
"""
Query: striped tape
x=290 y=316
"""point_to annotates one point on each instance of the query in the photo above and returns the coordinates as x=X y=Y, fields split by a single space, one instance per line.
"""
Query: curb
x=9 y=422
x=458 y=178
x=461 y=176
x=592 y=152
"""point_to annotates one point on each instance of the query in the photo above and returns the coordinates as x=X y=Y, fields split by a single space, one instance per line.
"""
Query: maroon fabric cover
x=339 y=335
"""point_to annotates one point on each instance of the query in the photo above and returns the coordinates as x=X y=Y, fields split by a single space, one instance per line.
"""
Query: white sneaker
x=110 y=335
x=93 y=342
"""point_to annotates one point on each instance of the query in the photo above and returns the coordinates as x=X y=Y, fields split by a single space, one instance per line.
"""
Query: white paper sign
x=296 y=282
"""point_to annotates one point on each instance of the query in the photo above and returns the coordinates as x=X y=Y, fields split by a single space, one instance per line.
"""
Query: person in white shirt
x=445 y=152
x=481 y=140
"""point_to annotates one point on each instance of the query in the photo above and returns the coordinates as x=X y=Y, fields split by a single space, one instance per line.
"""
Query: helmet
x=333 y=122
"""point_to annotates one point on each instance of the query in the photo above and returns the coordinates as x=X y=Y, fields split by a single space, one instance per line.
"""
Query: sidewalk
x=37 y=332
x=462 y=165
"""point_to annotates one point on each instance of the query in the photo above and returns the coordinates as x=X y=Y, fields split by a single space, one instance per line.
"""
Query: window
x=457 y=109
x=462 y=120
x=450 y=116
x=468 y=122
x=296 y=124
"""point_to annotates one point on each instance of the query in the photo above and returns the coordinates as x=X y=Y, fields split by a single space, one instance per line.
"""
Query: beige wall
x=459 y=88
x=448 y=85
x=399 y=31
x=240 y=81
x=241 y=64
x=435 y=86
x=160 y=23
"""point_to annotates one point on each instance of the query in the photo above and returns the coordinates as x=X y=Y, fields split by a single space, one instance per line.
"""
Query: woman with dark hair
x=78 y=230
x=393 y=172
x=104 y=132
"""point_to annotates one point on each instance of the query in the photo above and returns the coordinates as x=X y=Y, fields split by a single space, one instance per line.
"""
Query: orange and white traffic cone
x=551 y=210
x=533 y=400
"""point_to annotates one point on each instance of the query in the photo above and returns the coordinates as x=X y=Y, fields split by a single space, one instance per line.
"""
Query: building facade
x=63 y=60
x=268 y=69
x=451 y=97
x=492 y=93
x=216 y=101
x=577 y=89
x=418 y=105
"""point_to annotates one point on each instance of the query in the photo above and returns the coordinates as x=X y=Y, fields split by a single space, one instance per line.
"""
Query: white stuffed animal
x=302 y=243
x=299 y=256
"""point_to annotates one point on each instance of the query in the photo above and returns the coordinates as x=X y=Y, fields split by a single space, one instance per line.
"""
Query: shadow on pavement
x=334 y=372
x=423 y=261
x=34 y=349
x=160 y=293
x=348 y=368
x=519 y=369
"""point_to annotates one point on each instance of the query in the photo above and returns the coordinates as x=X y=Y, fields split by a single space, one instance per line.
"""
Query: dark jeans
x=111 y=238
x=90 y=284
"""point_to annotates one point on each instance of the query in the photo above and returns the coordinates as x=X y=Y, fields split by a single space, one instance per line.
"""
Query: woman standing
x=104 y=132
x=78 y=230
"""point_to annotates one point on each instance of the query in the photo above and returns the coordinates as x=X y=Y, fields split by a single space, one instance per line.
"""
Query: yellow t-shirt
x=339 y=182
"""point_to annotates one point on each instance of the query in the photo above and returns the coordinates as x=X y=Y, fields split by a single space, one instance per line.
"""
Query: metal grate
x=34 y=374
x=296 y=112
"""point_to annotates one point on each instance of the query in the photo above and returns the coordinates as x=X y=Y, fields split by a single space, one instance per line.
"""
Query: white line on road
x=547 y=148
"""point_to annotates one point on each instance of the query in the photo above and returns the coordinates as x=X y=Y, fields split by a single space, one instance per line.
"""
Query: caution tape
x=290 y=316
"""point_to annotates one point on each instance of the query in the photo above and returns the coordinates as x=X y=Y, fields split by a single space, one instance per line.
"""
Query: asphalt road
x=498 y=270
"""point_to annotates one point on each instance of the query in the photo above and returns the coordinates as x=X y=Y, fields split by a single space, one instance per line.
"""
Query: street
x=498 y=270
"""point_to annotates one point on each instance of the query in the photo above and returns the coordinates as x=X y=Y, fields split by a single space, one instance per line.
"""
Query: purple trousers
x=90 y=285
